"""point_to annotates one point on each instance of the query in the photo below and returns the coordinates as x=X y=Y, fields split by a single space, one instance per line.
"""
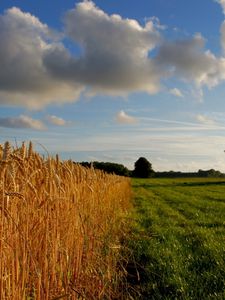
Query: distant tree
x=209 y=173
x=143 y=168
x=108 y=167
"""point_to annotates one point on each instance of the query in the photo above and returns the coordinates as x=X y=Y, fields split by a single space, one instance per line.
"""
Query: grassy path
x=179 y=239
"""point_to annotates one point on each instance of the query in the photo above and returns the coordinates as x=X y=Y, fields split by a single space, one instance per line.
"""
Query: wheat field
x=60 y=226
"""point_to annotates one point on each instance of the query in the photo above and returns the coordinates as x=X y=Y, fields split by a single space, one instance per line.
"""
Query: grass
x=62 y=227
x=178 y=239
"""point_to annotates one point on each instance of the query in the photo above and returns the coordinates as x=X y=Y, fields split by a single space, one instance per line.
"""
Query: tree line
x=143 y=169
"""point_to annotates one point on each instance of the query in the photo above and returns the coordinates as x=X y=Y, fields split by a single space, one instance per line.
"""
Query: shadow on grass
x=145 y=274
x=184 y=184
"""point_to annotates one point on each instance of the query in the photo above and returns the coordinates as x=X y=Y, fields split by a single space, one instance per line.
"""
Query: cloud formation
x=222 y=3
x=124 y=118
x=36 y=68
x=204 y=119
x=22 y=122
x=176 y=92
x=114 y=52
x=24 y=79
x=55 y=120
x=188 y=60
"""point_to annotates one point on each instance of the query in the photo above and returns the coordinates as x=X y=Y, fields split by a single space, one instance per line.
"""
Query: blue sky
x=116 y=80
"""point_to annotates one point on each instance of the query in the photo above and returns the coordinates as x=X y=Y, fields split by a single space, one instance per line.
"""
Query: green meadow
x=177 y=239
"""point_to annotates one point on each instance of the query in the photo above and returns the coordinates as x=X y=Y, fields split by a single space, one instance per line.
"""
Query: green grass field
x=178 y=239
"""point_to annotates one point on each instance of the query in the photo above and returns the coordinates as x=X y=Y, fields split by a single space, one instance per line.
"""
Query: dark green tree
x=108 y=167
x=143 y=168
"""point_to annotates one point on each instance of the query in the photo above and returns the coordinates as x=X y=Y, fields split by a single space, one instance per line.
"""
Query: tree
x=108 y=167
x=143 y=168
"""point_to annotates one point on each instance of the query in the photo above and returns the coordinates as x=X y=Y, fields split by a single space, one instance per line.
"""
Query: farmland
x=69 y=232
x=60 y=226
x=178 y=239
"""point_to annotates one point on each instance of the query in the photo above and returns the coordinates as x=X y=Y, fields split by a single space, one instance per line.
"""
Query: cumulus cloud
x=205 y=119
x=188 y=60
x=36 y=68
x=22 y=122
x=55 y=120
x=24 y=79
x=176 y=92
x=124 y=118
x=115 y=52
x=222 y=30
x=222 y=3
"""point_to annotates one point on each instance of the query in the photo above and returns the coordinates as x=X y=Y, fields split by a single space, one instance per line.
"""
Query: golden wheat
x=59 y=228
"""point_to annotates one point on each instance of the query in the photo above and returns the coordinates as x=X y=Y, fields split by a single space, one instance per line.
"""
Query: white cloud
x=114 y=67
x=22 y=122
x=187 y=59
x=176 y=92
x=55 y=120
x=222 y=3
x=115 y=57
x=124 y=118
x=156 y=22
x=36 y=68
x=205 y=119
x=24 y=79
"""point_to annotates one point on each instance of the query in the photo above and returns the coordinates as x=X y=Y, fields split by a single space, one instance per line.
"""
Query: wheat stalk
x=59 y=227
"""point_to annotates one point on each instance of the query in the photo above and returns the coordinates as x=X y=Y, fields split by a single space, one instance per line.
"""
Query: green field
x=178 y=239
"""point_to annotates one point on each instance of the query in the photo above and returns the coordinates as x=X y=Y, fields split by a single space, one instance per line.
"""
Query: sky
x=116 y=80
